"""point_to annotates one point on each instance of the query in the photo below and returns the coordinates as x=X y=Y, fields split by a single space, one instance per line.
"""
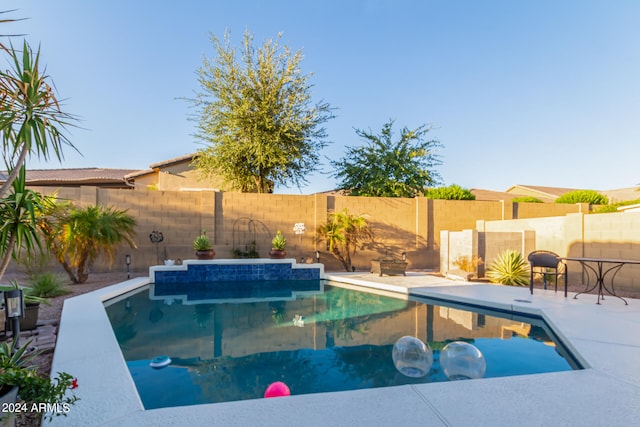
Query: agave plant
x=510 y=268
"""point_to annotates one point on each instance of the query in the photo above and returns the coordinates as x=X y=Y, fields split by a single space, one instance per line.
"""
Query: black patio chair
x=548 y=264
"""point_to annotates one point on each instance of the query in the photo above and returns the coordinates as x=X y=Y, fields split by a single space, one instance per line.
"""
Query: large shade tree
x=383 y=167
x=256 y=116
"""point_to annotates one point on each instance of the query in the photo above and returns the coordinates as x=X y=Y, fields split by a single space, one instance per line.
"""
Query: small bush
x=452 y=192
x=470 y=265
x=527 y=199
x=47 y=285
x=583 y=196
x=614 y=206
x=510 y=268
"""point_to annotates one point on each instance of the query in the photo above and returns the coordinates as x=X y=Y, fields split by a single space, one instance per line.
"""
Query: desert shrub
x=470 y=265
x=583 y=196
x=527 y=199
x=510 y=268
x=614 y=206
x=47 y=285
x=452 y=192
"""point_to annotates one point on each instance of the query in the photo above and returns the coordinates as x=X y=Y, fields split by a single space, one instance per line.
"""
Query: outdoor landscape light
x=318 y=256
x=14 y=310
x=404 y=256
x=127 y=260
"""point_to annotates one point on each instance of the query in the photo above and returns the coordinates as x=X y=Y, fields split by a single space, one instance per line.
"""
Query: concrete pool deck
x=605 y=338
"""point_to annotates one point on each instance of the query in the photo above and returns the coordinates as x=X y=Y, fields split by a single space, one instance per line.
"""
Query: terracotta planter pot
x=209 y=254
x=277 y=253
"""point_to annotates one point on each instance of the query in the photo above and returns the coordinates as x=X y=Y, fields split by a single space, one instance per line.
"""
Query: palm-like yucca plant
x=77 y=236
x=343 y=233
x=31 y=121
x=510 y=268
x=20 y=214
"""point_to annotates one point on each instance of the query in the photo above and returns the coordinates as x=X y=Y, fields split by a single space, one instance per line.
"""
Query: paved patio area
x=606 y=339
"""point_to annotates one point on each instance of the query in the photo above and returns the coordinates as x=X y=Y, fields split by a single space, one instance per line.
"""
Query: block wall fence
x=235 y=220
x=610 y=235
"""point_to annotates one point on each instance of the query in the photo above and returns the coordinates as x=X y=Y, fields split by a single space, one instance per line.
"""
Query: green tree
x=583 y=196
x=31 y=121
x=256 y=117
x=343 y=233
x=20 y=215
x=384 y=168
x=77 y=236
x=526 y=199
x=452 y=192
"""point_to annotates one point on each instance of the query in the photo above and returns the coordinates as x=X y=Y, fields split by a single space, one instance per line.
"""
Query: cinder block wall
x=611 y=235
x=235 y=220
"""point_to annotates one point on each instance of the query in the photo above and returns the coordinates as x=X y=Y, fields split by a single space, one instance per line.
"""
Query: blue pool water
x=228 y=342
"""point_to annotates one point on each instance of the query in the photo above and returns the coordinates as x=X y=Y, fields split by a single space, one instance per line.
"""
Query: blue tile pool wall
x=210 y=291
x=199 y=273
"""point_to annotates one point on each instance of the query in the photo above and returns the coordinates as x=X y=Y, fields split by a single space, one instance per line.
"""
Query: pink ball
x=277 y=389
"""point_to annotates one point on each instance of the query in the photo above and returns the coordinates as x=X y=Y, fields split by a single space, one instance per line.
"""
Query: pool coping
x=608 y=390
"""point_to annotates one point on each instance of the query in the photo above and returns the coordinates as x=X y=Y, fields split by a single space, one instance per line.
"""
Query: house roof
x=622 y=194
x=169 y=162
x=550 y=192
x=78 y=176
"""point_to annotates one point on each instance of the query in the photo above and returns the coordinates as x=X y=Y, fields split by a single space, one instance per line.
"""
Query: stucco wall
x=611 y=235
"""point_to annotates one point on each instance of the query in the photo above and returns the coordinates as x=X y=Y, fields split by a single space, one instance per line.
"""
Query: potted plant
x=21 y=382
x=203 y=247
x=278 y=243
x=31 y=305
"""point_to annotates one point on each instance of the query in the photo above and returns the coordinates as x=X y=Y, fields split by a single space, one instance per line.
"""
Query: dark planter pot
x=10 y=396
x=209 y=254
x=277 y=253
x=30 y=319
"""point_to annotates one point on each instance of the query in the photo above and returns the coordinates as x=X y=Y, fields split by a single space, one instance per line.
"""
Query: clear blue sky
x=537 y=92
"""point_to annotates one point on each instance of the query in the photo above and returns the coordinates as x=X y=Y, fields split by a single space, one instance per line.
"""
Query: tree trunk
x=14 y=173
x=6 y=259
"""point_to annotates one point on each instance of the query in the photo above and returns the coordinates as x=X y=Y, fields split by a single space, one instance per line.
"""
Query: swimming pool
x=322 y=337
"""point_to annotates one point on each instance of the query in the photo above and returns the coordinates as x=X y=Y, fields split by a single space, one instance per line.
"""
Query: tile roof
x=552 y=192
x=179 y=159
x=80 y=175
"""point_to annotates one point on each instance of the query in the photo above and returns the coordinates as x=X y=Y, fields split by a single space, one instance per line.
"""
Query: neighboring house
x=622 y=194
x=177 y=174
x=97 y=177
x=549 y=194
x=546 y=194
